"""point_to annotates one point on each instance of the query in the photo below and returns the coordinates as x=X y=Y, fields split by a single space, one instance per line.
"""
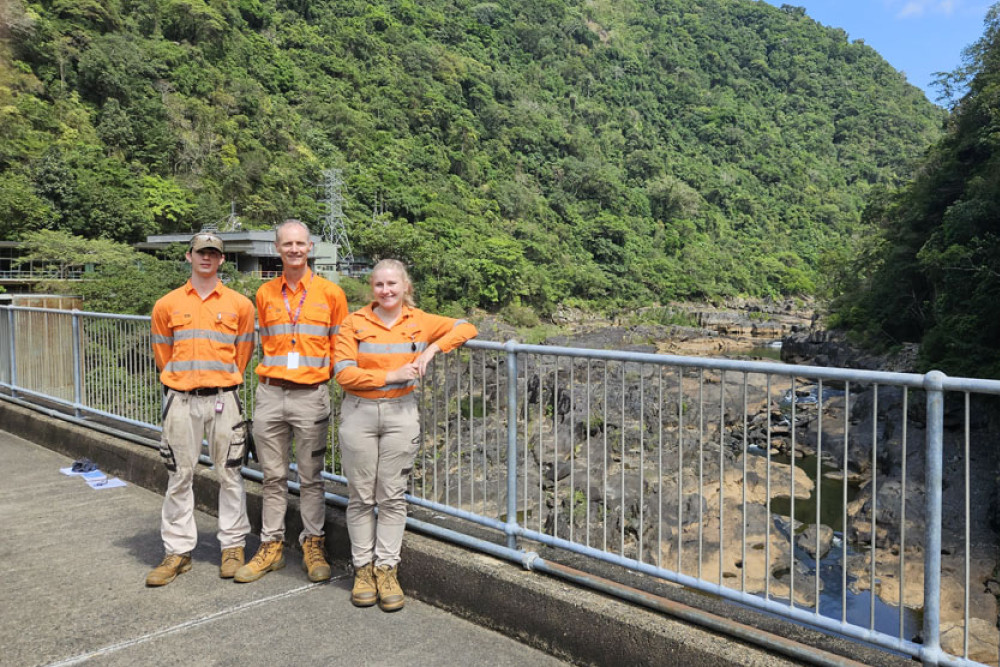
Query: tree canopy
x=604 y=154
x=932 y=273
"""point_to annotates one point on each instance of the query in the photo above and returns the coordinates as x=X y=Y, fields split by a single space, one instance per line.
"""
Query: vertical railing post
x=512 y=524
x=934 y=452
x=13 y=352
x=4 y=342
x=77 y=361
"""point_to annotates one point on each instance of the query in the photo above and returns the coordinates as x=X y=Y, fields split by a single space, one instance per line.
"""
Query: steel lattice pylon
x=334 y=223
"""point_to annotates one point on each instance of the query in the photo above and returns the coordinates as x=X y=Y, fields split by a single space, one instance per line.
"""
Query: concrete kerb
x=576 y=624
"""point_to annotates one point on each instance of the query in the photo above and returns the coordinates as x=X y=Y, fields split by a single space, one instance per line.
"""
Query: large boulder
x=818 y=347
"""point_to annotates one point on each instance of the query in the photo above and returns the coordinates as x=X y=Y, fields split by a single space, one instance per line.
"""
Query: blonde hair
x=399 y=267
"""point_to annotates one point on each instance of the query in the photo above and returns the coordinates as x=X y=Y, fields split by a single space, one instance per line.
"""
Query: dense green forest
x=598 y=153
x=932 y=272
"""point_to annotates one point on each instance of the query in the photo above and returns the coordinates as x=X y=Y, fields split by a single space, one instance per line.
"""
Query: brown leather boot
x=232 y=560
x=167 y=571
x=269 y=557
x=390 y=594
x=364 y=593
x=314 y=560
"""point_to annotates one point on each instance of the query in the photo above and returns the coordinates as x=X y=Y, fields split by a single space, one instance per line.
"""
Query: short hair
x=290 y=221
x=396 y=265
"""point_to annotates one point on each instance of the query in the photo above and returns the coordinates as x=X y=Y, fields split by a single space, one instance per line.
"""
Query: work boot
x=269 y=557
x=313 y=560
x=390 y=594
x=167 y=571
x=364 y=593
x=232 y=560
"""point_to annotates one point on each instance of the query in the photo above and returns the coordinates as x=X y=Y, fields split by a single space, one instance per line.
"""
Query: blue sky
x=918 y=37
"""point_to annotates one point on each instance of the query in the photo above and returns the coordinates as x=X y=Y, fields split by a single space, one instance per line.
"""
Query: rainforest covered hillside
x=556 y=151
x=931 y=273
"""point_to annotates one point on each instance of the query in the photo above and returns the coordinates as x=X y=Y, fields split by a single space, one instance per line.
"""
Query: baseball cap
x=204 y=240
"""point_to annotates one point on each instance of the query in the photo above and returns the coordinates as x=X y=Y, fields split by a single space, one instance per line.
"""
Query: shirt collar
x=189 y=288
x=368 y=312
x=306 y=279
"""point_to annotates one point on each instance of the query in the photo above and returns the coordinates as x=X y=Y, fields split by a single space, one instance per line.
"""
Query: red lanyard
x=288 y=307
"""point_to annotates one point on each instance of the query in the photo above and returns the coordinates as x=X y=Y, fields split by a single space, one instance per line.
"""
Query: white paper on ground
x=95 y=476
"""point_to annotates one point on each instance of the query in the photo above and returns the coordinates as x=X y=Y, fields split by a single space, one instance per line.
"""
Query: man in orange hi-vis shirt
x=299 y=314
x=202 y=342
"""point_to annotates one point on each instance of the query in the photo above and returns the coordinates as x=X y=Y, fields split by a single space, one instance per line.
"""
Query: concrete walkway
x=73 y=562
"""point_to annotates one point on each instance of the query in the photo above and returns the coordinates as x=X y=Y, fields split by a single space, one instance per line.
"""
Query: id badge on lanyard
x=293 y=355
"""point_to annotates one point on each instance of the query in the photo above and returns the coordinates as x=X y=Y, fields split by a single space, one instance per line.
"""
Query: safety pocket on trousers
x=168 y=398
x=167 y=454
x=240 y=445
x=324 y=425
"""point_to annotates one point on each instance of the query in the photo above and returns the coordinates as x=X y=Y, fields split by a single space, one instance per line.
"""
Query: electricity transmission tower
x=334 y=224
x=232 y=223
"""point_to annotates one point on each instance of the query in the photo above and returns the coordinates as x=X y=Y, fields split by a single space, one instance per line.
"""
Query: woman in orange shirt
x=382 y=350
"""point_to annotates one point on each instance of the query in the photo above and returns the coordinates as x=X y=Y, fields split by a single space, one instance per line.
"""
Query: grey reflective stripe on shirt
x=341 y=365
x=218 y=337
x=275 y=330
x=181 y=366
x=397 y=385
x=457 y=322
x=391 y=348
x=311 y=362
x=306 y=329
x=245 y=338
x=162 y=340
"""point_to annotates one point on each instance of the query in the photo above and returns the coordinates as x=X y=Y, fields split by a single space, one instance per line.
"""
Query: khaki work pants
x=379 y=439
x=187 y=420
x=280 y=417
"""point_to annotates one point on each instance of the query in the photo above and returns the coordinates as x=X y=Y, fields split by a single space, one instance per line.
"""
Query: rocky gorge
x=770 y=484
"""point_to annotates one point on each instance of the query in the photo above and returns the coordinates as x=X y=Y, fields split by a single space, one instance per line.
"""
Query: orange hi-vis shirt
x=314 y=332
x=200 y=344
x=367 y=349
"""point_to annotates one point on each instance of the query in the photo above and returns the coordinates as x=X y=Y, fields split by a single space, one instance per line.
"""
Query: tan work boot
x=364 y=593
x=390 y=594
x=313 y=559
x=269 y=557
x=232 y=560
x=167 y=571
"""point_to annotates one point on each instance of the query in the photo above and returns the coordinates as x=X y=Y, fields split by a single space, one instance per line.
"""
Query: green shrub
x=519 y=316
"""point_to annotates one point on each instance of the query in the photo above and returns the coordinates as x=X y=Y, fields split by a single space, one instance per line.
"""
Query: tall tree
x=933 y=274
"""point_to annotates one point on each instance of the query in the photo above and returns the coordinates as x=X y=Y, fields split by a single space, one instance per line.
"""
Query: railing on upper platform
x=813 y=493
x=34 y=275
x=263 y=275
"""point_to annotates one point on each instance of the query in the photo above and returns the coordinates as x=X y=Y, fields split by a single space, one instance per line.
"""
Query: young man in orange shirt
x=300 y=315
x=202 y=341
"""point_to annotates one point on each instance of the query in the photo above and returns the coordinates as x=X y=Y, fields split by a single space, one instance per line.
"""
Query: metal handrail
x=480 y=417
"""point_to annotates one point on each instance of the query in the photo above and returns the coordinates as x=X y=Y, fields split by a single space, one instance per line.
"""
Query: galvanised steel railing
x=813 y=493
